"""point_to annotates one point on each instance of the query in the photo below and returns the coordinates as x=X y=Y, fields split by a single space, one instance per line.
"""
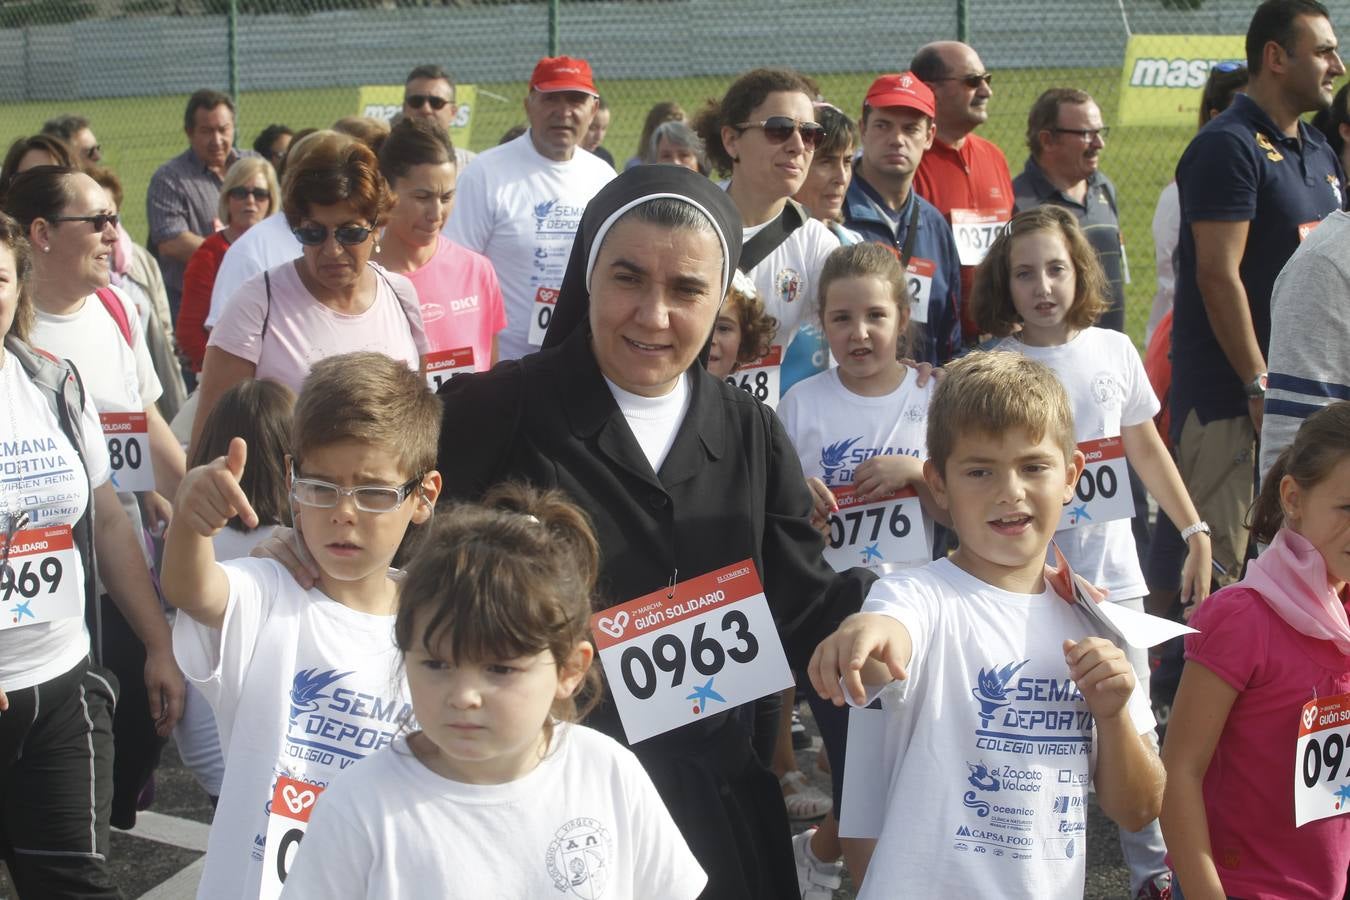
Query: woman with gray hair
x=248 y=195
x=675 y=143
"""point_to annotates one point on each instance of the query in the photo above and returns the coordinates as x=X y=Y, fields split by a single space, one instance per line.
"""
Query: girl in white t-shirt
x=259 y=411
x=1039 y=291
x=860 y=429
x=498 y=794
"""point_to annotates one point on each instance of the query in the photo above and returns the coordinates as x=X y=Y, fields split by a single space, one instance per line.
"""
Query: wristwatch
x=1257 y=386
x=1194 y=529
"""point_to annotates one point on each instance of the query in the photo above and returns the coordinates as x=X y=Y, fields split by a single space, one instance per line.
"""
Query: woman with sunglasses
x=56 y=705
x=763 y=133
x=80 y=317
x=248 y=195
x=332 y=300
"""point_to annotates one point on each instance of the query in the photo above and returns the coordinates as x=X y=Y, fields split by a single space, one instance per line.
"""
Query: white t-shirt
x=285 y=334
x=787 y=278
x=587 y=822
x=521 y=210
x=835 y=430
x=996 y=744
x=118 y=377
x=264 y=246
x=41 y=473
x=654 y=421
x=314 y=685
x=1109 y=390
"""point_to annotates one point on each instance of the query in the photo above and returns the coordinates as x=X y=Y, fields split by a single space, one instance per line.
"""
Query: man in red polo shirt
x=965 y=176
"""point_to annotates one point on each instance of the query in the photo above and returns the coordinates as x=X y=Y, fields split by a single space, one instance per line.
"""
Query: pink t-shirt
x=461 y=301
x=283 y=338
x=1249 y=787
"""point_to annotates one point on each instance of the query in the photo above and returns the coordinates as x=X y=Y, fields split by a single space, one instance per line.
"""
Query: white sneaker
x=815 y=879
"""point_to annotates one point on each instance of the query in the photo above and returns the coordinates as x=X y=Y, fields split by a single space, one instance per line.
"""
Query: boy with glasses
x=303 y=682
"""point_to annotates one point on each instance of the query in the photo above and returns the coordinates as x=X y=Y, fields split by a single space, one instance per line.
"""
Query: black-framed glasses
x=973 y=80
x=346 y=235
x=778 y=129
x=416 y=101
x=239 y=192
x=100 y=221
x=1085 y=134
x=369 y=498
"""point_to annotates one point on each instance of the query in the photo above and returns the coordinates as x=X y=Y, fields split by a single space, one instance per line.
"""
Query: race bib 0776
x=887 y=531
x=698 y=648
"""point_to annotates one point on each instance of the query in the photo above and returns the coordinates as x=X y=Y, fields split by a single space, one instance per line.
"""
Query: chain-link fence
x=128 y=66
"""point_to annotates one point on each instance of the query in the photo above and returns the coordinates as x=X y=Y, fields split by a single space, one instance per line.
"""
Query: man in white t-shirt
x=519 y=204
x=429 y=93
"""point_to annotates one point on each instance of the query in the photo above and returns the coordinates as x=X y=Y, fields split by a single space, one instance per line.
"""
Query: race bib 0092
x=1322 y=760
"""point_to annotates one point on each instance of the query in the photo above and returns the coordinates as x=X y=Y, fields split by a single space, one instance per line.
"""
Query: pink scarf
x=1292 y=577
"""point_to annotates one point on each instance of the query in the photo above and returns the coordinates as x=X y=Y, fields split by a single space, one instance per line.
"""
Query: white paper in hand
x=1112 y=621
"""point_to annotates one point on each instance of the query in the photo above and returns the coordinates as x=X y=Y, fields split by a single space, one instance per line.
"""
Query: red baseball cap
x=563 y=73
x=904 y=89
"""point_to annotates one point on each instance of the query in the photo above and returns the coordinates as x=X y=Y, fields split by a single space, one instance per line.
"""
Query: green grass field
x=139 y=133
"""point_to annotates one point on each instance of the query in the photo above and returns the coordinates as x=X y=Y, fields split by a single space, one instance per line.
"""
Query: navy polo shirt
x=1241 y=168
x=938 y=340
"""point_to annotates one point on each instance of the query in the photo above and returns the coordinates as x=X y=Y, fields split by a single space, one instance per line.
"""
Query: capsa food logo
x=1176 y=72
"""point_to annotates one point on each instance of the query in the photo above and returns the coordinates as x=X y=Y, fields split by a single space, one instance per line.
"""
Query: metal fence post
x=553 y=27
x=963 y=21
x=232 y=42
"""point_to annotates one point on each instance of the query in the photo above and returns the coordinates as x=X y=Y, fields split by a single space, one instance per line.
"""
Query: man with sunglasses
x=1066 y=137
x=75 y=131
x=519 y=204
x=965 y=176
x=429 y=93
x=898 y=125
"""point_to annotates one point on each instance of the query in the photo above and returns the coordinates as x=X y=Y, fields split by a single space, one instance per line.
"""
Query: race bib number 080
x=442 y=365
x=1103 y=490
x=1322 y=762
x=292 y=803
x=128 y=439
x=545 y=301
x=42 y=580
x=701 y=647
x=886 y=531
x=762 y=378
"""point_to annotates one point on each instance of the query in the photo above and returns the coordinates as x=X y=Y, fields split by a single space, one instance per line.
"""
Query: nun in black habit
x=680 y=474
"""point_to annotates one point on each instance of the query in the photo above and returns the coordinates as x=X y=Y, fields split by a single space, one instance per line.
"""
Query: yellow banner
x=384 y=101
x=1164 y=74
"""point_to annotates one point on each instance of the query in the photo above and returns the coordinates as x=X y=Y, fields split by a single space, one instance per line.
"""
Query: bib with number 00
x=885 y=531
x=442 y=365
x=43 y=580
x=128 y=439
x=1322 y=762
x=1103 y=490
x=545 y=301
x=292 y=802
x=975 y=231
x=919 y=280
x=699 y=648
x=762 y=378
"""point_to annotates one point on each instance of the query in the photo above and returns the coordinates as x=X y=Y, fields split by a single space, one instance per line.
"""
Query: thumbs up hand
x=210 y=495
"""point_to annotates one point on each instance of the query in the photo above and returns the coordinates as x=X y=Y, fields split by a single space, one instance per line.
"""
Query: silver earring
x=47 y=249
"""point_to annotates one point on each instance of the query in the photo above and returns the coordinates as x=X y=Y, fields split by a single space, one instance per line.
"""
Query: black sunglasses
x=346 y=235
x=100 y=221
x=416 y=101
x=971 y=81
x=778 y=129
x=262 y=195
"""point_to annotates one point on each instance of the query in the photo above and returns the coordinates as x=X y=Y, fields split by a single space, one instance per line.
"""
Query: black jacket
x=731 y=488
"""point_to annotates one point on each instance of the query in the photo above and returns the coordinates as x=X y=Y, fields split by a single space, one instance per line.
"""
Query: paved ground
x=160 y=860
